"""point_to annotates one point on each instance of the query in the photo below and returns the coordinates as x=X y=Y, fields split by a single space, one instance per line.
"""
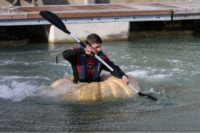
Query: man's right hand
x=88 y=50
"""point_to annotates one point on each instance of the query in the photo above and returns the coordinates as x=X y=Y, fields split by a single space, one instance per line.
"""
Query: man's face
x=96 y=47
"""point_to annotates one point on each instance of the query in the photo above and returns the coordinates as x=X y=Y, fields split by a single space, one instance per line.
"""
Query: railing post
x=87 y=2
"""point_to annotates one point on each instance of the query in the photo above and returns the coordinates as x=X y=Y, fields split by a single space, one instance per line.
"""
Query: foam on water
x=19 y=91
x=16 y=91
x=7 y=78
x=18 y=88
x=148 y=75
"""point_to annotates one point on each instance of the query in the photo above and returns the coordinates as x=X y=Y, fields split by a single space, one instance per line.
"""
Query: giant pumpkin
x=110 y=88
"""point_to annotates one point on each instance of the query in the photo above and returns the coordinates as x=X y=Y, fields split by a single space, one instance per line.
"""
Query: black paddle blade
x=149 y=96
x=55 y=20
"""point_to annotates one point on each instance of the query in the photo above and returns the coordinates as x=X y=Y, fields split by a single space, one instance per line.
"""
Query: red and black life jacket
x=89 y=68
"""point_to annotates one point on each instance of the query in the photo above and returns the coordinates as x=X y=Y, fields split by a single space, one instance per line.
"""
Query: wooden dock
x=163 y=11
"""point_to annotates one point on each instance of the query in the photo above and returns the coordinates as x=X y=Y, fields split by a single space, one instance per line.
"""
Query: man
x=86 y=68
x=17 y=3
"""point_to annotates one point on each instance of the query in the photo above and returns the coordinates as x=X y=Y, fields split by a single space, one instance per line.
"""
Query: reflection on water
x=165 y=65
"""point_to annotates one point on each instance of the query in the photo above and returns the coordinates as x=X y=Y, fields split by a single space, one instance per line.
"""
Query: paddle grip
x=82 y=44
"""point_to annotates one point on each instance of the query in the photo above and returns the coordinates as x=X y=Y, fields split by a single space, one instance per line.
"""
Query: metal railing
x=9 y=9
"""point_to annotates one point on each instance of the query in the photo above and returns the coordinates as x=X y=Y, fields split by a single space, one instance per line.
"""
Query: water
x=165 y=65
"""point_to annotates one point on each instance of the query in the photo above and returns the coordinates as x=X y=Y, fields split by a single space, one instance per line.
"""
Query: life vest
x=89 y=68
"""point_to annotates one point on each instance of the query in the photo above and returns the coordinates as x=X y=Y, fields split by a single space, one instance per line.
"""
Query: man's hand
x=88 y=50
x=125 y=79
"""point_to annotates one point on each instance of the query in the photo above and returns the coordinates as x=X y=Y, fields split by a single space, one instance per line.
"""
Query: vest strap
x=81 y=66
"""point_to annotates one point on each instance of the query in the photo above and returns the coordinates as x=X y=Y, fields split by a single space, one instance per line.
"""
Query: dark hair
x=93 y=38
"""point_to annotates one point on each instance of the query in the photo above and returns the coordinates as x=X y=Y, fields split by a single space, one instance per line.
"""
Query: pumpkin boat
x=108 y=89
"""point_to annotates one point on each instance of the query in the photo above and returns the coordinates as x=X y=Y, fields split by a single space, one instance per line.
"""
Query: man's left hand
x=125 y=79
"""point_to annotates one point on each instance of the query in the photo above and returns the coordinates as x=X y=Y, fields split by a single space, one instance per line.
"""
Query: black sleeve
x=71 y=54
x=117 y=71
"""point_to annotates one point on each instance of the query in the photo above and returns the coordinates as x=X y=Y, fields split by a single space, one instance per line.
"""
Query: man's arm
x=117 y=71
x=71 y=54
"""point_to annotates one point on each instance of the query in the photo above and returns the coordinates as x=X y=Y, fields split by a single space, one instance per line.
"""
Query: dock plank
x=104 y=14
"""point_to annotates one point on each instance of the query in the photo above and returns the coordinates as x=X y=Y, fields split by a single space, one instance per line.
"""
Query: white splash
x=19 y=91
x=6 y=78
x=149 y=74
x=16 y=91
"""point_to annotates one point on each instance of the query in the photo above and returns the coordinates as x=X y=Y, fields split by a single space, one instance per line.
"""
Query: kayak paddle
x=56 y=21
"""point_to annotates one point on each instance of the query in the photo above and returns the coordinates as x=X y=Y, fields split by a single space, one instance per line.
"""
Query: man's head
x=94 y=41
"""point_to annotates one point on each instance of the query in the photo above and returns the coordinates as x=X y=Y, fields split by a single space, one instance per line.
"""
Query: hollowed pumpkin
x=110 y=88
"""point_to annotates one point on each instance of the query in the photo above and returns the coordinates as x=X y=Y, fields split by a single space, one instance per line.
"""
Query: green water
x=166 y=65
